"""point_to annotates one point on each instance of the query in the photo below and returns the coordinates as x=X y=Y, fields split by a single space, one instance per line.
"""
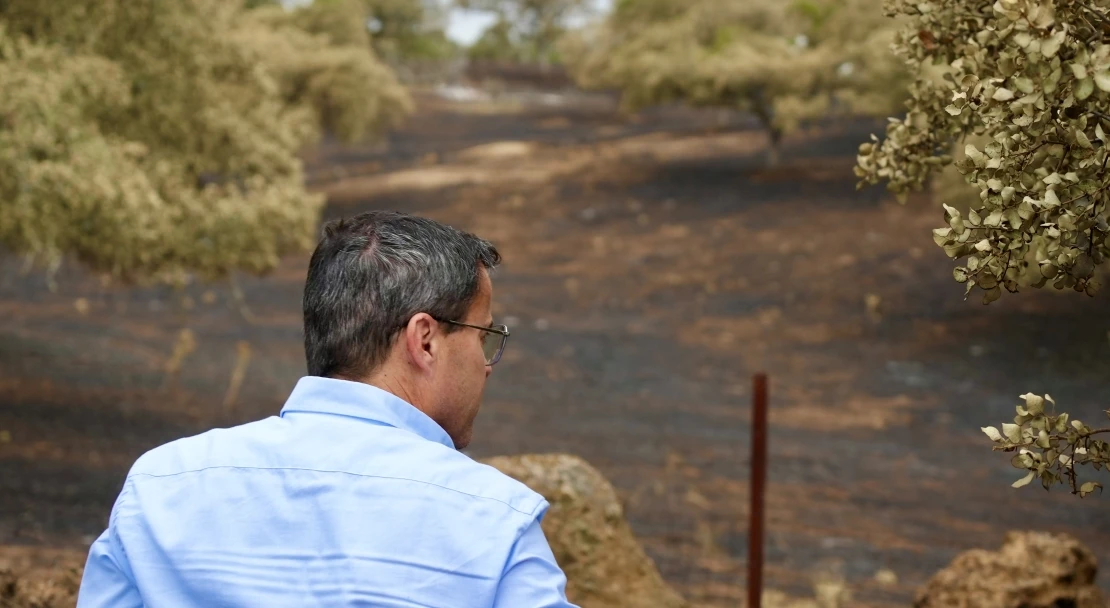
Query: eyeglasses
x=492 y=349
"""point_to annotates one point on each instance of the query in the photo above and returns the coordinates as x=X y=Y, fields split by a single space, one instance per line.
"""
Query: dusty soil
x=651 y=267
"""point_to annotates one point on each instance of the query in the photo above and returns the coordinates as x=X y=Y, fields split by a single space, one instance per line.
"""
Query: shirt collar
x=315 y=394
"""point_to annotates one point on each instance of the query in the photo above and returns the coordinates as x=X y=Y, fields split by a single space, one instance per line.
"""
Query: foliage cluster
x=154 y=140
x=1031 y=78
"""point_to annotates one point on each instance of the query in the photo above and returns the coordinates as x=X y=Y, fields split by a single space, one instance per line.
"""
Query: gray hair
x=371 y=273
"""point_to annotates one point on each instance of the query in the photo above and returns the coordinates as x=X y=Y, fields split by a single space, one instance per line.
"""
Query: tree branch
x=1029 y=153
x=1063 y=157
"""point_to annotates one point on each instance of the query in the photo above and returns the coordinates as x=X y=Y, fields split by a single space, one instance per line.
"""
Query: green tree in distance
x=785 y=62
x=525 y=30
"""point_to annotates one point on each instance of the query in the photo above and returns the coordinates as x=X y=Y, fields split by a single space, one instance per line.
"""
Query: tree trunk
x=774 y=133
x=774 y=149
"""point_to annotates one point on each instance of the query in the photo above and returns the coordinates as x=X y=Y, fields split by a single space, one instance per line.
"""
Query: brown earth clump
x=39 y=588
x=605 y=566
x=1031 y=570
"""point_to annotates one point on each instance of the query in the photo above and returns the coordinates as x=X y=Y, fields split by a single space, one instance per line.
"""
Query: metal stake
x=758 y=485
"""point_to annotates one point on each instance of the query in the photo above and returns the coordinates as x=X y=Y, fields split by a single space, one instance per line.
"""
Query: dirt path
x=647 y=276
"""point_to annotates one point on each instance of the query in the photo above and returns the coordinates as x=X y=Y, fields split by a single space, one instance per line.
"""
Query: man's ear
x=420 y=338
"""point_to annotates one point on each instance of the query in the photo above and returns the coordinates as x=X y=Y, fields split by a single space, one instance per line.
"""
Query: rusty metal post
x=758 y=485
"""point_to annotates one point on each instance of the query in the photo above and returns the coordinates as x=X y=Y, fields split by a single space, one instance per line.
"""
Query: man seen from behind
x=356 y=494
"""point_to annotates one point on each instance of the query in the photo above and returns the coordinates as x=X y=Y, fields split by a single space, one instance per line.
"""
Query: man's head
x=381 y=293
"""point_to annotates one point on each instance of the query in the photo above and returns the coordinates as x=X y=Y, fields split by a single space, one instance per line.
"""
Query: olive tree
x=153 y=141
x=785 y=62
x=525 y=30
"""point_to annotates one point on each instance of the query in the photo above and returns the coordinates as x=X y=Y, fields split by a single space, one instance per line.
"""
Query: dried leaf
x=1102 y=80
x=1084 y=88
x=1089 y=487
x=1033 y=403
x=1024 y=481
x=992 y=433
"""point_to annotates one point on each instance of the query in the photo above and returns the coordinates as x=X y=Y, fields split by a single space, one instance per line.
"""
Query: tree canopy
x=407 y=30
x=784 y=61
x=156 y=140
x=1022 y=89
x=1031 y=79
x=526 y=30
x=397 y=30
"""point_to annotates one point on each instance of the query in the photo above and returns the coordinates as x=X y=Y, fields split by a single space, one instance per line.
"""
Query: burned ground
x=651 y=267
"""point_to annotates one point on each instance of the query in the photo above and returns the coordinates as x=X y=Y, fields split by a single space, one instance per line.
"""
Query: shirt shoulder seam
x=428 y=483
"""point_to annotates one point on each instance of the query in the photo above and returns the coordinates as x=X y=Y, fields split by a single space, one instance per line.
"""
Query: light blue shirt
x=352 y=497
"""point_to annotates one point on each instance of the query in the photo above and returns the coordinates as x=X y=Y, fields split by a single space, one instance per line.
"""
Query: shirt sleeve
x=532 y=577
x=107 y=580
